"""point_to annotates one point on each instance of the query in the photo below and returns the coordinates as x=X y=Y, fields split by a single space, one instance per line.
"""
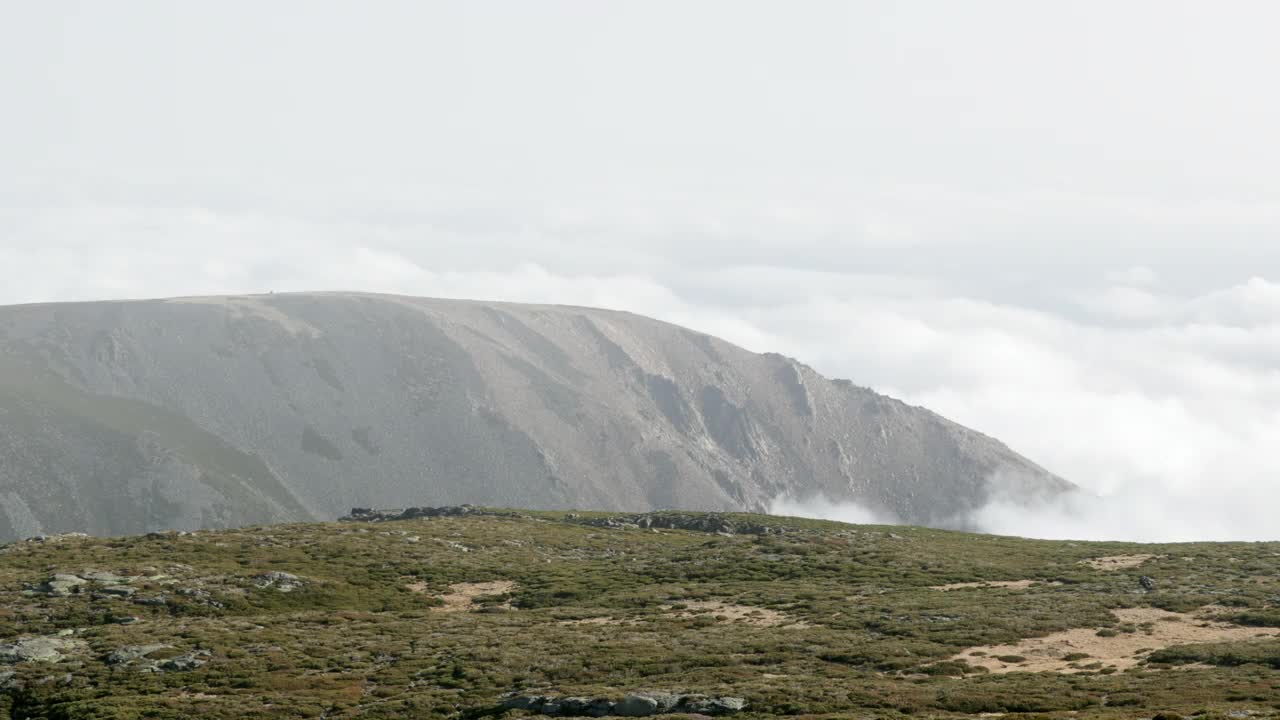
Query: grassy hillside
x=452 y=616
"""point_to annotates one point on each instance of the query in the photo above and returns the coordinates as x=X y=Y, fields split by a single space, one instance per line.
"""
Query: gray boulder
x=39 y=649
x=130 y=653
x=636 y=706
x=703 y=705
x=281 y=581
x=62 y=584
x=576 y=706
x=525 y=702
x=182 y=663
x=106 y=578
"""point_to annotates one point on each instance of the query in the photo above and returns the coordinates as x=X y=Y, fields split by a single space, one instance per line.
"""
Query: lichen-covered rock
x=281 y=581
x=105 y=578
x=182 y=663
x=62 y=584
x=130 y=653
x=38 y=649
x=703 y=705
x=636 y=706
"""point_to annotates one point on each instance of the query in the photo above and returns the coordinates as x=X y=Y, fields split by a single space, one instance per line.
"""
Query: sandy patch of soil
x=1015 y=584
x=745 y=614
x=1117 y=562
x=1122 y=651
x=461 y=597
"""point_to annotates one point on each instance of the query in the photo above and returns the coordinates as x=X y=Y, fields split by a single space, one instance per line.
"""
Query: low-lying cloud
x=1133 y=514
x=823 y=509
x=1161 y=401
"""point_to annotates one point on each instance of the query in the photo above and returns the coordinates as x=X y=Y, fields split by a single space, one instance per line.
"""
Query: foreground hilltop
x=123 y=417
x=474 y=613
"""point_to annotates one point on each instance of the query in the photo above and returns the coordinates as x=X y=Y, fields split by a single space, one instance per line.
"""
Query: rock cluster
x=138 y=656
x=721 y=523
x=281 y=581
x=198 y=595
x=61 y=585
x=107 y=584
x=59 y=537
x=695 y=522
x=634 y=705
x=413 y=513
x=182 y=663
x=131 y=653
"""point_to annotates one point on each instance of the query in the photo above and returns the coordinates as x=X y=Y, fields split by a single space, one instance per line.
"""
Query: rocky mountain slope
x=123 y=417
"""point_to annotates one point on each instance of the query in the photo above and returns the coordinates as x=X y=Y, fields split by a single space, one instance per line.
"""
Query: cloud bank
x=1161 y=403
x=1007 y=212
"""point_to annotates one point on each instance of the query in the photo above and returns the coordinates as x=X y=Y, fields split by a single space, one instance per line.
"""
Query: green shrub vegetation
x=818 y=619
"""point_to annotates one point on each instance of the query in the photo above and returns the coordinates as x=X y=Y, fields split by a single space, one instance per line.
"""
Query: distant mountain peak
x=125 y=417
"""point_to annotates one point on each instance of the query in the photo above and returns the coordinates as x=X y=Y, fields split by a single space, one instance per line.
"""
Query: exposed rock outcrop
x=50 y=649
x=722 y=523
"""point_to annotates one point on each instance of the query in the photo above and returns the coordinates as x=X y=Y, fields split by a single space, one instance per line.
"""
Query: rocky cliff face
x=124 y=417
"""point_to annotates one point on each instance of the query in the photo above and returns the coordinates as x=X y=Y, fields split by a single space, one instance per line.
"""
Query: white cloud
x=1070 y=252
x=1165 y=405
x=1169 y=414
x=823 y=509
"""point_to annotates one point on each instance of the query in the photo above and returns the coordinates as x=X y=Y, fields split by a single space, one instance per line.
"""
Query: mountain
x=124 y=417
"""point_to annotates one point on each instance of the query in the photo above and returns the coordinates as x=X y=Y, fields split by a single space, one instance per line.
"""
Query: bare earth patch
x=1117 y=562
x=1121 y=651
x=745 y=614
x=461 y=597
x=1015 y=584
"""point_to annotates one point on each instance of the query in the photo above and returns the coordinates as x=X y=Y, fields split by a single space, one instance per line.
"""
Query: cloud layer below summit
x=1057 y=231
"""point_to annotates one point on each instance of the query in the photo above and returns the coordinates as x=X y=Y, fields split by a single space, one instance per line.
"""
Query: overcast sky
x=1054 y=222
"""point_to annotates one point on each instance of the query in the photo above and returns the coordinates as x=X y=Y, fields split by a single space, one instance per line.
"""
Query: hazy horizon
x=1054 y=224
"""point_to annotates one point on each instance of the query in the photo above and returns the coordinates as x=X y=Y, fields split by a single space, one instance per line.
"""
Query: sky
x=1056 y=223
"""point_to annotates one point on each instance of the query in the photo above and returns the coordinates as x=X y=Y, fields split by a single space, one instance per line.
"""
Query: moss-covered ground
x=821 y=619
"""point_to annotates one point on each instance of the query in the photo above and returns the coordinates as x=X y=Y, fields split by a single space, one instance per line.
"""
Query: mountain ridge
x=137 y=415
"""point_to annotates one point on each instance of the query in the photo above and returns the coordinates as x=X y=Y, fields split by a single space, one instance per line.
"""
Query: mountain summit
x=124 y=417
